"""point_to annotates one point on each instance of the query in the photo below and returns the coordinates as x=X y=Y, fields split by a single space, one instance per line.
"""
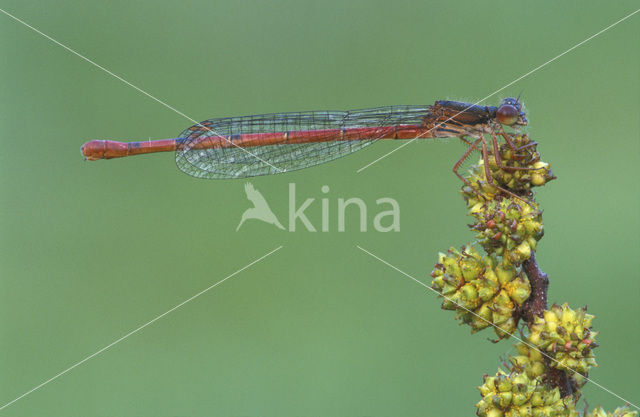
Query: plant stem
x=534 y=307
x=539 y=281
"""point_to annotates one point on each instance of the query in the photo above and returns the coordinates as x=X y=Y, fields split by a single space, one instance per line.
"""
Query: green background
x=91 y=250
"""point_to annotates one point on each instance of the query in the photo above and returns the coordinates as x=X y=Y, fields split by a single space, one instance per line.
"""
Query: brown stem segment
x=534 y=307
x=537 y=302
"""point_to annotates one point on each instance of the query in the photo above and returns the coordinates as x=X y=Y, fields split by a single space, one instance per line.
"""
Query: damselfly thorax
x=452 y=118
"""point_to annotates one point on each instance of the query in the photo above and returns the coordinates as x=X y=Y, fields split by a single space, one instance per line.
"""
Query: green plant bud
x=448 y=305
x=552 y=398
x=478 y=190
x=552 y=315
x=504 y=385
x=529 y=361
x=520 y=382
x=506 y=328
x=522 y=349
x=541 y=175
x=537 y=399
x=518 y=290
x=502 y=304
x=490 y=274
x=522 y=252
x=566 y=336
x=515 y=394
x=520 y=398
x=481 y=290
x=476 y=208
x=485 y=293
x=468 y=296
x=478 y=321
x=619 y=412
x=537 y=369
x=505 y=273
x=520 y=181
x=507 y=228
x=519 y=361
x=524 y=411
x=489 y=381
x=494 y=413
x=504 y=399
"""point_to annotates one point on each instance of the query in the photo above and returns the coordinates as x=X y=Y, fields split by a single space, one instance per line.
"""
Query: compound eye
x=507 y=114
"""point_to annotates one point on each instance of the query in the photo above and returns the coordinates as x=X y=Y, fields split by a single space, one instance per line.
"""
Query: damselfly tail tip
x=84 y=156
x=101 y=149
x=88 y=150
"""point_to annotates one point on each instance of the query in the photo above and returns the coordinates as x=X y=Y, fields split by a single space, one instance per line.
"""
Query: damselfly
x=240 y=147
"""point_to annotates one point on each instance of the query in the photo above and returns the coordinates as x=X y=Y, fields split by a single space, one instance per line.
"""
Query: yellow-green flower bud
x=519 y=171
x=508 y=228
x=481 y=290
x=566 y=336
x=516 y=395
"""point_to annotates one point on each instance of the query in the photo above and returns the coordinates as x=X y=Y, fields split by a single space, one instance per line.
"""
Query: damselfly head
x=510 y=113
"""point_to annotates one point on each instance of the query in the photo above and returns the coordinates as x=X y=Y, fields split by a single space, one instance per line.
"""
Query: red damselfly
x=240 y=147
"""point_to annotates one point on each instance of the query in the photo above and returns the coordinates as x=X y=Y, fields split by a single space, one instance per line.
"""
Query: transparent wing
x=242 y=147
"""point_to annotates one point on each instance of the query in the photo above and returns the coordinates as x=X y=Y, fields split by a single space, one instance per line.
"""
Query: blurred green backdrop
x=92 y=250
